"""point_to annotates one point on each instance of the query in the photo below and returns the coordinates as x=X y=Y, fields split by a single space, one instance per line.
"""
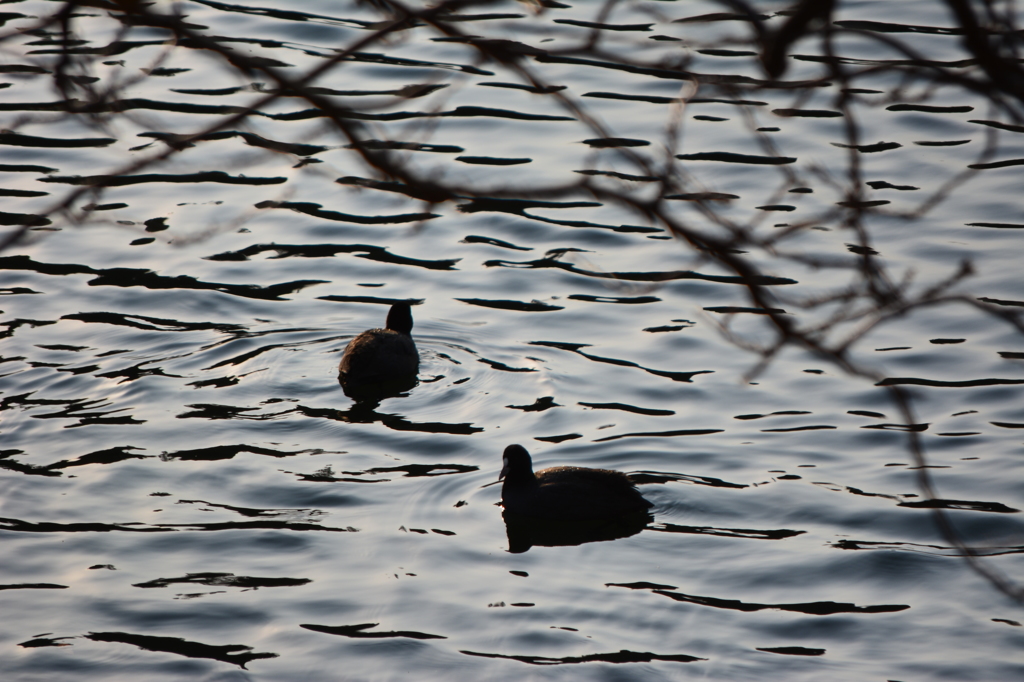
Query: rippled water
x=187 y=492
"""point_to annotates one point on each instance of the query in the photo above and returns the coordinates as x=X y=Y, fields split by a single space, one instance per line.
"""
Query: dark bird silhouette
x=382 y=355
x=566 y=493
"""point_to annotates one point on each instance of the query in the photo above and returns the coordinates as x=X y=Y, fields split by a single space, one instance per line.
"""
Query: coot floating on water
x=565 y=493
x=380 y=355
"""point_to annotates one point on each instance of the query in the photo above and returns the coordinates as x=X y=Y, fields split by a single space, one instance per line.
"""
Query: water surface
x=187 y=491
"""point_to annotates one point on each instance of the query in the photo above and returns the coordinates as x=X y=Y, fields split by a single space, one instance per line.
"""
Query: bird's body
x=381 y=355
x=566 y=493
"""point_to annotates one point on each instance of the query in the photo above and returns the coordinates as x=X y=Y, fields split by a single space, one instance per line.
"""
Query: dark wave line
x=664 y=276
x=152 y=323
x=746 y=533
x=940 y=143
x=629 y=408
x=532 y=307
x=257 y=513
x=287 y=15
x=377 y=300
x=996 y=164
x=731 y=157
x=702 y=196
x=360 y=414
x=1001 y=126
x=732 y=310
x=221 y=452
x=863 y=204
x=644 y=477
x=493 y=16
x=575 y=348
x=359 y=631
x=807 y=113
x=492 y=161
x=316 y=210
x=255 y=525
x=626 y=229
x=501 y=366
x=71 y=409
x=519 y=206
x=214 y=411
x=474 y=239
x=225 y=580
x=541 y=90
x=23 y=219
x=125 y=180
x=604 y=27
x=661 y=434
x=719 y=52
x=121 y=105
x=106 y=456
x=418 y=470
x=653 y=99
x=20 y=140
x=882 y=184
x=722 y=16
x=939 y=550
x=934 y=63
x=898 y=381
x=17 y=525
x=997 y=301
x=236 y=654
x=792 y=651
x=898 y=427
x=628 y=300
x=622 y=656
x=376 y=58
x=669 y=100
x=388 y=145
x=367 y=251
x=930 y=108
x=423 y=193
x=458 y=112
x=539 y=405
x=673 y=74
x=968 y=505
x=25 y=168
x=23 y=68
x=888 y=27
x=869 y=148
x=818 y=608
x=559 y=438
x=179 y=141
x=779 y=413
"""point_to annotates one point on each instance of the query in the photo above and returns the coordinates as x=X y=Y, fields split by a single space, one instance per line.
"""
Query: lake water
x=187 y=493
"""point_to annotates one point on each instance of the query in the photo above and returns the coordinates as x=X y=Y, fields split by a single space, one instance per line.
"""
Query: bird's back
x=576 y=493
x=379 y=355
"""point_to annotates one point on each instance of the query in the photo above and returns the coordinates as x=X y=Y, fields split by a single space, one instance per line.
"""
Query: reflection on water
x=525 y=531
x=187 y=491
x=369 y=396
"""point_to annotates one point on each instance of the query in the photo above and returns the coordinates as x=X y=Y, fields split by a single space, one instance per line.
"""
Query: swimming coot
x=565 y=493
x=381 y=355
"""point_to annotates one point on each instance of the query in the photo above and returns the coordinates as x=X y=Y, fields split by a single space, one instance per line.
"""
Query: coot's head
x=400 y=318
x=516 y=463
